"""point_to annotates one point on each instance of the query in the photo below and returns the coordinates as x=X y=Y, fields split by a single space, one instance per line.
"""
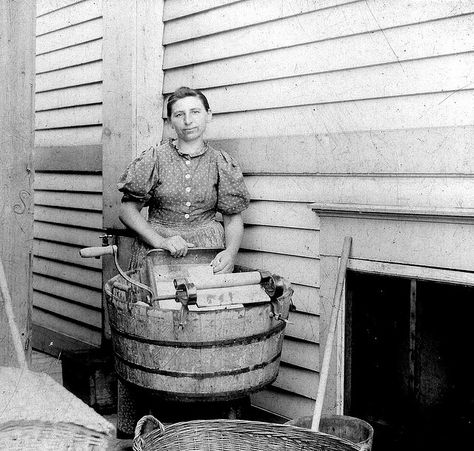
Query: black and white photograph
x=236 y=225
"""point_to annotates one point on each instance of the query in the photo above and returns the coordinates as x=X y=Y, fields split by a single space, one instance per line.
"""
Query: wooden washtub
x=211 y=355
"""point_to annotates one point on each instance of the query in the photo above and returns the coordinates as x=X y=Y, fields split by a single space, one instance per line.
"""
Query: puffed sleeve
x=232 y=194
x=140 y=177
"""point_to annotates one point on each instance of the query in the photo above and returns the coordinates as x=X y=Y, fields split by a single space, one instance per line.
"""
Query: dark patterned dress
x=184 y=193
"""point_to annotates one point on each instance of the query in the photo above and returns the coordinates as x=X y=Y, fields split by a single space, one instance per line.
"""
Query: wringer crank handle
x=99 y=251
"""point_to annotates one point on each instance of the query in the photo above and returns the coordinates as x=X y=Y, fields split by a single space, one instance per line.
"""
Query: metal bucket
x=212 y=355
x=349 y=428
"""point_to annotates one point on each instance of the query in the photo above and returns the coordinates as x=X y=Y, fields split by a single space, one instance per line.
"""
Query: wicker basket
x=37 y=413
x=233 y=435
x=45 y=436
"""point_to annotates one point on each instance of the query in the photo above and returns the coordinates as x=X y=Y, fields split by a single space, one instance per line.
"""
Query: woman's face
x=189 y=118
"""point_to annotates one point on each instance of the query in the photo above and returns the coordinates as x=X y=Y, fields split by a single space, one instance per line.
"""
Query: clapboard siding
x=217 y=20
x=56 y=250
x=67 y=327
x=71 y=56
x=68 y=158
x=279 y=240
x=301 y=354
x=327 y=101
x=447 y=73
x=79 y=136
x=67 y=272
x=64 y=234
x=85 y=201
x=303 y=327
x=410 y=151
x=47 y=6
x=63 y=307
x=69 y=76
x=441 y=109
x=69 y=117
x=180 y=8
x=297 y=380
x=90 y=93
x=281 y=214
x=300 y=270
x=76 y=293
x=68 y=182
x=72 y=218
x=386 y=189
x=422 y=40
x=344 y=20
x=67 y=37
x=67 y=295
x=285 y=403
x=306 y=298
x=76 y=13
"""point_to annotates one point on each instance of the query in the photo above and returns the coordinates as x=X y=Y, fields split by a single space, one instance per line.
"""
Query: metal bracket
x=186 y=292
x=272 y=284
x=105 y=239
x=276 y=312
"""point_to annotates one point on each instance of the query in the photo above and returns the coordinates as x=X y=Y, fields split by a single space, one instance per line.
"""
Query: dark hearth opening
x=408 y=362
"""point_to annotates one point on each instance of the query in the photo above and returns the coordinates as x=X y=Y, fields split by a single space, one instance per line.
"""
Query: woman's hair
x=181 y=93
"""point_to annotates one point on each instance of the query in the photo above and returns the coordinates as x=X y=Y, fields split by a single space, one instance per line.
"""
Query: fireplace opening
x=408 y=361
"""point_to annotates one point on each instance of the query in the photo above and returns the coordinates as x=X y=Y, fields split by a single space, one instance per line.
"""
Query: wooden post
x=132 y=90
x=17 y=60
x=324 y=372
x=132 y=100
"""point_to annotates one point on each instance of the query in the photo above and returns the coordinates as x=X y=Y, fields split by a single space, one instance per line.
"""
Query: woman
x=184 y=182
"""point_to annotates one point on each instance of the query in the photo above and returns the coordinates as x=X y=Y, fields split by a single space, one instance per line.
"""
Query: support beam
x=132 y=90
x=17 y=60
x=132 y=101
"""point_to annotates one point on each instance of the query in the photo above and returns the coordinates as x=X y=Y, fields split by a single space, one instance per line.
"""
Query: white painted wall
x=328 y=101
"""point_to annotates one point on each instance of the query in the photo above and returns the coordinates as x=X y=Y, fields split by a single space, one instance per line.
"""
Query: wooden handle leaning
x=99 y=251
x=17 y=343
x=346 y=248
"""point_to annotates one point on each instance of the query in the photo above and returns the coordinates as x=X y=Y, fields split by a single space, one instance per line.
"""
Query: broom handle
x=20 y=353
x=346 y=248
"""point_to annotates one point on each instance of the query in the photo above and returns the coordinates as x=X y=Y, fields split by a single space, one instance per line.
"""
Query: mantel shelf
x=395 y=212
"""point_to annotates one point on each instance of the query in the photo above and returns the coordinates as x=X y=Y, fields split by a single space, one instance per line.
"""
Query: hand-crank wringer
x=187 y=334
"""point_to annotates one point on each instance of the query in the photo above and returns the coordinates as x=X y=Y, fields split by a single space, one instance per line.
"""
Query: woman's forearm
x=131 y=217
x=234 y=232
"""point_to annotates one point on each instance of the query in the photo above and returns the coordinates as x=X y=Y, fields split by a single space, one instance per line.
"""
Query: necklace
x=198 y=151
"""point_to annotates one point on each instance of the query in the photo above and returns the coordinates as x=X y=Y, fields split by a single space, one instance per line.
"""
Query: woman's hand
x=176 y=245
x=223 y=262
x=131 y=217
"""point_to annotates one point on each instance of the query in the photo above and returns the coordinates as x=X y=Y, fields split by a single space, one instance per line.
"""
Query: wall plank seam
x=67 y=318
x=74 y=2
x=321 y=72
x=67 y=27
x=86 y=41
x=96 y=60
x=341 y=102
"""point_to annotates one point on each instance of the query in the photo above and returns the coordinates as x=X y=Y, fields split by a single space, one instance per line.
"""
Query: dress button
x=188 y=204
x=187 y=162
x=187 y=176
x=186 y=216
x=188 y=189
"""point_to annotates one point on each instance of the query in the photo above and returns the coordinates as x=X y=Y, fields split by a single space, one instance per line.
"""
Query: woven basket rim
x=22 y=435
x=254 y=425
x=10 y=424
